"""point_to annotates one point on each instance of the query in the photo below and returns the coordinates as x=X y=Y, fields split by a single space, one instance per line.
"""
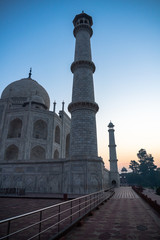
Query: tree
x=142 y=153
x=134 y=166
x=146 y=162
x=134 y=179
x=144 y=171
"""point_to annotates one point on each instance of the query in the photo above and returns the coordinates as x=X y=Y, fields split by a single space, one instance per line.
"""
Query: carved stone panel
x=54 y=183
x=78 y=182
x=41 y=183
x=30 y=183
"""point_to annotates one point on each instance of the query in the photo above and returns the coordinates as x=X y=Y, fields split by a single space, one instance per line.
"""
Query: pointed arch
x=15 y=128
x=57 y=134
x=114 y=182
x=11 y=153
x=38 y=153
x=67 y=145
x=40 y=129
x=56 y=154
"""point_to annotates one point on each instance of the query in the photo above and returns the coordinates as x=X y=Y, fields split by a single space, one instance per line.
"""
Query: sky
x=125 y=49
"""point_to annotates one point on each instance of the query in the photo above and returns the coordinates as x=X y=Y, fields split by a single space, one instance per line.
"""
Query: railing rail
x=50 y=222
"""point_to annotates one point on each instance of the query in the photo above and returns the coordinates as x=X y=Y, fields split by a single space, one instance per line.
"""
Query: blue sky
x=125 y=50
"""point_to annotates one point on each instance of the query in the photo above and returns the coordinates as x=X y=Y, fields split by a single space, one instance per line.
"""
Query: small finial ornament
x=63 y=105
x=54 y=106
x=82 y=11
x=30 y=73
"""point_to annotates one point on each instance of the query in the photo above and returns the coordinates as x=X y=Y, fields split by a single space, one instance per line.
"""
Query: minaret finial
x=30 y=73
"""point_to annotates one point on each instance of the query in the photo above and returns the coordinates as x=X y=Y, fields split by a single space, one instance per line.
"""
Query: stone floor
x=125 y=216
x=11 y=207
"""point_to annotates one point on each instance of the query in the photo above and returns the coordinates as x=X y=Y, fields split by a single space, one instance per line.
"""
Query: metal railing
x=52 y=221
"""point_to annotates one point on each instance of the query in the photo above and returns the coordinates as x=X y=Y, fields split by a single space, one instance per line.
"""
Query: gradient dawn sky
x=126 y=52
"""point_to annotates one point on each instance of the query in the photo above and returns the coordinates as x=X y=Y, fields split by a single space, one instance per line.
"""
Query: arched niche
x=56 y=154
x=40 y=129
x=15 y=128
x=57 y=134
x=38 y=153
x=114 y=183
x=11 y=153
x=67 y=144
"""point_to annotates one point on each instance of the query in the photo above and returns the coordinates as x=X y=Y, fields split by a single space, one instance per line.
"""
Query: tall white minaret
x=83 y=108
x=84 y=169
x=114 y=175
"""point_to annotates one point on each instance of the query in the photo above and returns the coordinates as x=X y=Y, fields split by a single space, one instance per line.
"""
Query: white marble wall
x=62 y=176
x=26 y=141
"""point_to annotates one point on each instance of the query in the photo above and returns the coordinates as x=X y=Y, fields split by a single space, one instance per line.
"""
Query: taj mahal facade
x=45 y=152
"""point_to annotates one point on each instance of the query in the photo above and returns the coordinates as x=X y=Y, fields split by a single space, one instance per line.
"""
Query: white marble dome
x=37 y=99
x=25 y=89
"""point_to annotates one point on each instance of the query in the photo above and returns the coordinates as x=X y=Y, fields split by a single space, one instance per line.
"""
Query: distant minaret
x=114 y=175
x=83 y=108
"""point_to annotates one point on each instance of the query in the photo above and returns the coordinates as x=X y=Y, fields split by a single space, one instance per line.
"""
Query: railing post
x=40 y=219
x=59 y=217
x=90 y=202
x=96 y=199
x=71 y=212
x=85 y=205
x=8 y=229
x=79 y=207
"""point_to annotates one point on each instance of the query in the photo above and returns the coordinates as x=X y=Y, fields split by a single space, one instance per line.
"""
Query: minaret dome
x=110 y=125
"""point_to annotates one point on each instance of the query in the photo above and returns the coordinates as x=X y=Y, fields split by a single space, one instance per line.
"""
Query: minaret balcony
x=83 y=105
x=82 y=26
x=82 y=64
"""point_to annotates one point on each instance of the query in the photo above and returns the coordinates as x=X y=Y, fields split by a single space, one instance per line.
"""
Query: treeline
x=144 y=172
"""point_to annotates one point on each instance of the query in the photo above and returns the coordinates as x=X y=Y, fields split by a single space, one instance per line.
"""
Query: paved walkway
x=123 y=217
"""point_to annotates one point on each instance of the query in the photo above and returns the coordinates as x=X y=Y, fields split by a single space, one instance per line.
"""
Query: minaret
x=84 y=170
x=83 y=139
x=114 y=175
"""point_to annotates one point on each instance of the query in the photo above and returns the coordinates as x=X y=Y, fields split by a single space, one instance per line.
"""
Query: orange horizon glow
x=124 y=159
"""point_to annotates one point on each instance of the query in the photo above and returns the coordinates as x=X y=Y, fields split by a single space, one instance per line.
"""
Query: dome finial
x=30 y=73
